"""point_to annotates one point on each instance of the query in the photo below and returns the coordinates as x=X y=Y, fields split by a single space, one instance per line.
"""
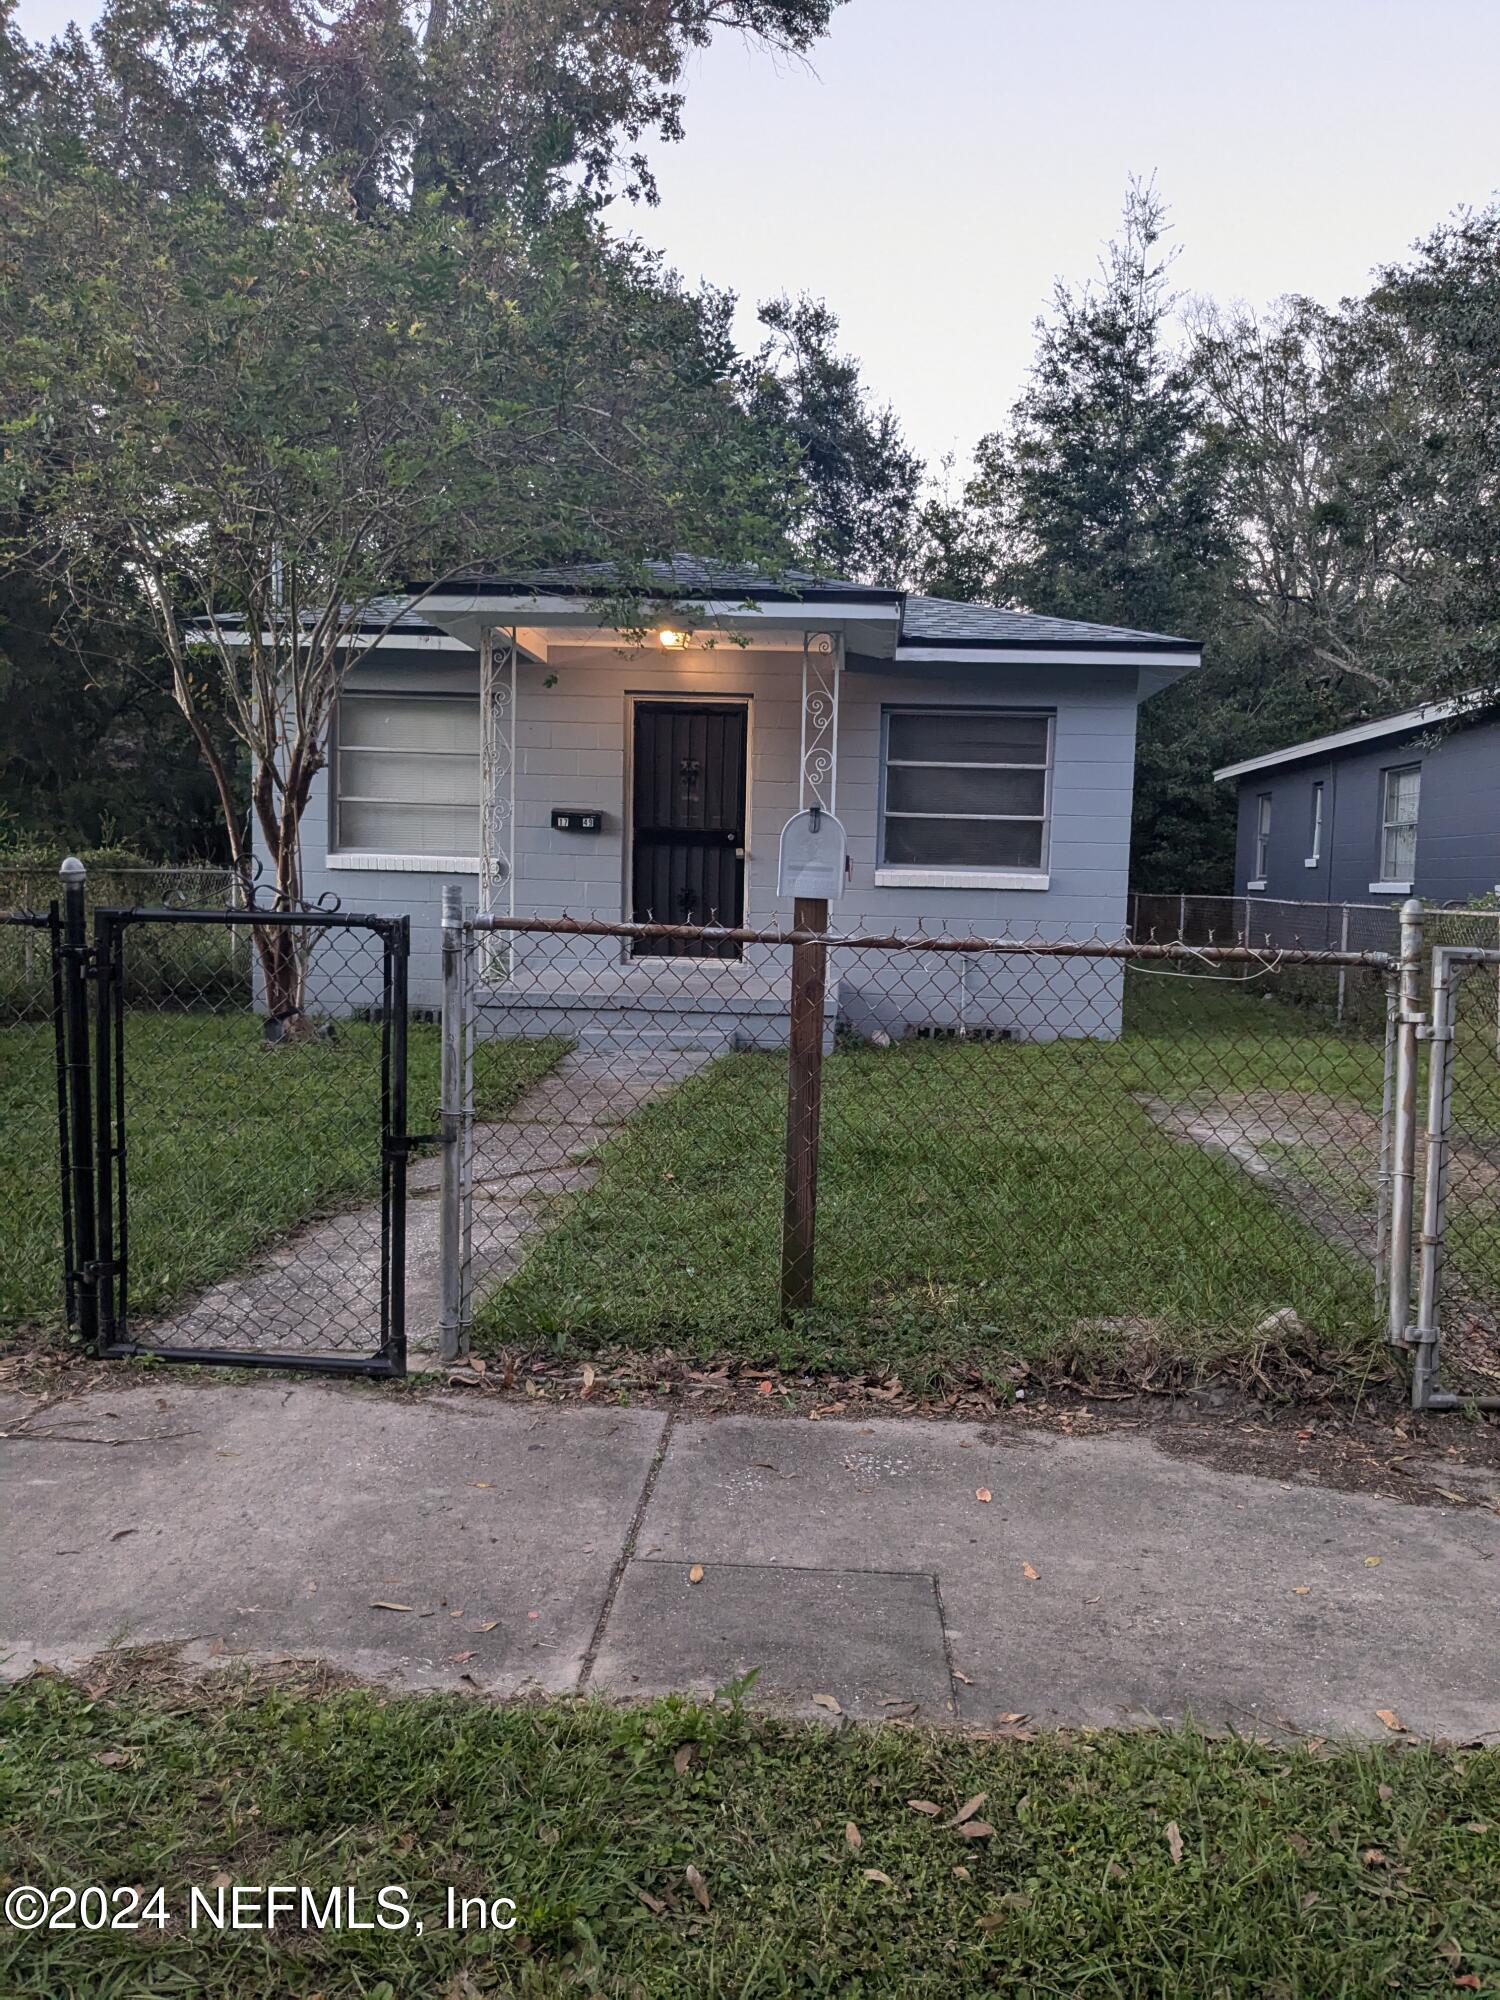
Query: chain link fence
x=1458 y=1290
x=34 y=1252
x=207 y=958
x=1115 y=1157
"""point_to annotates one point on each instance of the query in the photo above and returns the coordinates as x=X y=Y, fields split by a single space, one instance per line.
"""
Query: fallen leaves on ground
x=1031 y=1575
x=384 y=1604
x=1391 y=1720
x=698 y=1886
x=1174 y=1841
x=853 y=1835
x=968 y=1809
x=925 y=1806
x=983 y=1493
x=695 y=1574
x=828 y=1701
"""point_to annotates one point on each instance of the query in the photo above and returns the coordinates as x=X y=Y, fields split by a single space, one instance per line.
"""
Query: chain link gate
x=1458 y=1269
x=234 y=1092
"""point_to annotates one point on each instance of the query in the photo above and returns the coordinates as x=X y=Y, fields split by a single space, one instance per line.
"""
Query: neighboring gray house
x=1383 y=809
x=981 y=761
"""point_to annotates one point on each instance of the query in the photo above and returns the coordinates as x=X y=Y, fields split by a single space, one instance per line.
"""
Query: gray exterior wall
x=1458 y=825
x=571 y=751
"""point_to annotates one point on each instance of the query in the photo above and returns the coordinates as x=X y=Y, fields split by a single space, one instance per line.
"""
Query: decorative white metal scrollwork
x=822 y=659
x=497 y=787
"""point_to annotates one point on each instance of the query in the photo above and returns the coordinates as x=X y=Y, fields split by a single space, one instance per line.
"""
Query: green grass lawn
x=1115 y=1865
x=231 y=1143
x=977 y=1203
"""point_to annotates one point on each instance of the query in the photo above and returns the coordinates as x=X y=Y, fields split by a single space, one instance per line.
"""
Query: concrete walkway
x=318 y=1290
x=483 y=1544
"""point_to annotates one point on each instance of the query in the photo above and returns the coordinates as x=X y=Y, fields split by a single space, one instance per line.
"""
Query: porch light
x=671 y=638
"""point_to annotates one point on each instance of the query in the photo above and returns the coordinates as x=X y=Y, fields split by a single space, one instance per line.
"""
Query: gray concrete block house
x=502 y=737
x=1406 y=805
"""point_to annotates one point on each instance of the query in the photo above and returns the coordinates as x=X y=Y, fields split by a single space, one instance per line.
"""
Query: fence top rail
x=253 y=919
x=1465 y=954
x=1122 y=948
x=36 y=920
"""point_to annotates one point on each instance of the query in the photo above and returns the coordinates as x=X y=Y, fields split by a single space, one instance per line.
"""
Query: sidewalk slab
x=1102 y=1582
x=869 y=1642
x=1163 y=1588
x=263 y=1519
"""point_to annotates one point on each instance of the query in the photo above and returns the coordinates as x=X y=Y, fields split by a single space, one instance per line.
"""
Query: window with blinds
x=965 y=788
x=1398 y=823
x=406 y=775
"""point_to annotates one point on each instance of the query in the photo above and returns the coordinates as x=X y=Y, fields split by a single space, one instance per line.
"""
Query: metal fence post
x=83 y=1279
x=1343 y=970
x=1409 y=1020
x=453 y=1330
x=809 y=978
x=1425 y=1342
x=1387 y=1098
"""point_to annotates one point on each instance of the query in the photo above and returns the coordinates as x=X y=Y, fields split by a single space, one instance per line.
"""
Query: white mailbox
x=813 y=856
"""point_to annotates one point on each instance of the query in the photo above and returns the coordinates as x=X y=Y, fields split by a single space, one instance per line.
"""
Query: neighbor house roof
x=1344 y=739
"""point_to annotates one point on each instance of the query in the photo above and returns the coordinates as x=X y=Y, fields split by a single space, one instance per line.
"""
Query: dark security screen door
x=687 y=862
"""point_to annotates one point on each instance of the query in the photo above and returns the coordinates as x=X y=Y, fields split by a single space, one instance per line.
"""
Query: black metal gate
x=246 y=1121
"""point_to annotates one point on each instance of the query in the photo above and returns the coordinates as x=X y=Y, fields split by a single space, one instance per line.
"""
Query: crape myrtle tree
x=264 y=426
x=298 y=305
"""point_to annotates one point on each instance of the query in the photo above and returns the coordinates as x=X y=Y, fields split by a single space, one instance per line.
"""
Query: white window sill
x=1251 y=887
x=407 y=864
x=1390 y=888
x=961 y=878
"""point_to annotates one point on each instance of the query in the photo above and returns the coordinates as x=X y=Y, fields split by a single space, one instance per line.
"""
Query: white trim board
x=405 y=864
x=902 y=877
x=1343 y=739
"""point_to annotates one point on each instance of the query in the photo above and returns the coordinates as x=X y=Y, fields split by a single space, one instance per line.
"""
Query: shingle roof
x=679 y=575
x=925 y=620
x=938 y=620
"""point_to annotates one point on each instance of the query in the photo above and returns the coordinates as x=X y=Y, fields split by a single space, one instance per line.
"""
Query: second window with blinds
x=965 y=796
x=406 y=778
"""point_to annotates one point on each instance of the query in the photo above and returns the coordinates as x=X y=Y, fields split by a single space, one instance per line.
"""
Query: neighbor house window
x=1398 y=823
x=1262 y=835
x=407 y=775
x=965 y=788
x=1315 y=837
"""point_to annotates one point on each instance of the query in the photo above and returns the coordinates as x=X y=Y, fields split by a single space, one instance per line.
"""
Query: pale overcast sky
x=943 y=159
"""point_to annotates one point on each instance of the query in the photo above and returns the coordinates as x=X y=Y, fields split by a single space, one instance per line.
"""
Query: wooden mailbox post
x=812 y=871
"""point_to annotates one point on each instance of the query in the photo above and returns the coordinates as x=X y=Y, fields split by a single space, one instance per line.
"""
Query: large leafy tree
x=1421 y=495
x=854 y=498
x=246 y=435
x=347 y=317
x=1101 y=500
x=519 y=105
x=1097 y=501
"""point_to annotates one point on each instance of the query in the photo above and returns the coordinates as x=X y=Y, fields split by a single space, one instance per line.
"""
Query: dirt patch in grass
x=1320 y=1157
x=1376 y=1446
